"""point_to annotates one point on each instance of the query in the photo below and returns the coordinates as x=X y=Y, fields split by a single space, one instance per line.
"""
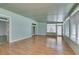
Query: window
x=66 y=28
x=73 y=32
x=59 y=30
x=78 y=34
x=51 y=27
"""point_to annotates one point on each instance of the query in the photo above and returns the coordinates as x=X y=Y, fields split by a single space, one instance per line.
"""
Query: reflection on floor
x=37 y=45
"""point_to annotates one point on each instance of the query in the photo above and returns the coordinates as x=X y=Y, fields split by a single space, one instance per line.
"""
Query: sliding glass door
x=59 y=29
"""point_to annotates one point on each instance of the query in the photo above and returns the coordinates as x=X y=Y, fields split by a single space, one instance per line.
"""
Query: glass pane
x=59 y=30
x=51 y=27
x=73 y=32
x=66 y=29
x=78 y=35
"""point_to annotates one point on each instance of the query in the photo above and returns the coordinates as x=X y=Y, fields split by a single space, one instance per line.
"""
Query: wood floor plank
x=37 y=45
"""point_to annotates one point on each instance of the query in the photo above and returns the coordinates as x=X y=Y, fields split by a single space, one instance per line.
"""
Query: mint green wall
x=42 y=28
x=21 y=27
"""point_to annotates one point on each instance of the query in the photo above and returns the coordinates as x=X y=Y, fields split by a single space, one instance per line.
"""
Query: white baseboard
x=11 y=41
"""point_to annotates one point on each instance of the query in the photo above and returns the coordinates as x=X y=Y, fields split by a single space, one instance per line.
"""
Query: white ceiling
x=42 y=12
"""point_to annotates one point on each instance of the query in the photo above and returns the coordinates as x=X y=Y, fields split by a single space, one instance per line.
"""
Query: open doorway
x=59 y=30
x=33 y=29
x=4 y=30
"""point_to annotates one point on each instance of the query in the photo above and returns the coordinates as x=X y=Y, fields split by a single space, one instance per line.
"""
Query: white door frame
x=9 y=26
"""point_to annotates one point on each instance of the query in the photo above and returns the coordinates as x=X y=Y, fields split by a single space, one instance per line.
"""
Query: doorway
x=4 y=30
x=33 y=29
x=59 y=30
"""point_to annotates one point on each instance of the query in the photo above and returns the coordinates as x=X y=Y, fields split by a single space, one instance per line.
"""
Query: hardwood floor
x=37 y=45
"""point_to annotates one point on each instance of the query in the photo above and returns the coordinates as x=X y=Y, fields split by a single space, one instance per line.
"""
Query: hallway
x=37 y=45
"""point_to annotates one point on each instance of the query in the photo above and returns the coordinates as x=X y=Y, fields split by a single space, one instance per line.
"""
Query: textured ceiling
x=42 y=12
